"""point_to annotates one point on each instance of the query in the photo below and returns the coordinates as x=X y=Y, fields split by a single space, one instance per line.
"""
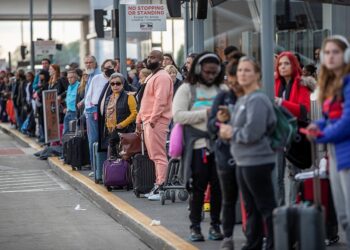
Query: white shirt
x=94 y=91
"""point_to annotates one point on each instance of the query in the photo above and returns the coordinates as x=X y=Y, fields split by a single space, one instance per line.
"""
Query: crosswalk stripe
x=29 y=181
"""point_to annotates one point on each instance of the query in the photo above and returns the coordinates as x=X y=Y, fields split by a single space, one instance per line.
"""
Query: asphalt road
x=39 y=211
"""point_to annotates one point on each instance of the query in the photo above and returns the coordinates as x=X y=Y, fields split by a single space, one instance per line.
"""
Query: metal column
x=32 y=59
x=267 y=44
x=115 y=38
x=50 y=18
x=122 y=39
x=50 y=23
x=188 y=31
x=198 y=33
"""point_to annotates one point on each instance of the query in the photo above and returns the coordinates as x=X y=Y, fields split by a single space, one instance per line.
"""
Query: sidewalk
x=137 y=213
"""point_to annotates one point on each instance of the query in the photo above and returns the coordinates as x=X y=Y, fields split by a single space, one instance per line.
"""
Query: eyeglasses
x=115 y=83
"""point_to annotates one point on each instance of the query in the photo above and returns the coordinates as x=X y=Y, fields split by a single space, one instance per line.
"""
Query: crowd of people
x=227 y=121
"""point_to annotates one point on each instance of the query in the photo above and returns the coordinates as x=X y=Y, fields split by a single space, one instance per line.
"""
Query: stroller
x=174 y=183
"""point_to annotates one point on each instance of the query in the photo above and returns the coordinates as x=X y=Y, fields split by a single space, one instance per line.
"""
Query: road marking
x=14 y=181
x=31 y=190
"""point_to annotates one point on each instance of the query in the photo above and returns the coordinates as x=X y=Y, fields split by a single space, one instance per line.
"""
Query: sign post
x=51 y=118
x=145 y=18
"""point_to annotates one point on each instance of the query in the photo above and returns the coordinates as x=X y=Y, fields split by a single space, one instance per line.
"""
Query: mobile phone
x=223 y=108
x=310 y=132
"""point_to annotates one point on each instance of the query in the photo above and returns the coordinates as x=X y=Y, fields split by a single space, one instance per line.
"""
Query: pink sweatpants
x=155 y=140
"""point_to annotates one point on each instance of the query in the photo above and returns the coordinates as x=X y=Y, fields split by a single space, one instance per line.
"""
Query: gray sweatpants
x=340 y=185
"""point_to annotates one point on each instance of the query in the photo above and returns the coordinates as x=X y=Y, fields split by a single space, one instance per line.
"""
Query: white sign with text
x=145 y=18
x=44 y=48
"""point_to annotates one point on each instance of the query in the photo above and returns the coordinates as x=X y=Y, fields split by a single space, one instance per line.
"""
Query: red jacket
x=299 y=96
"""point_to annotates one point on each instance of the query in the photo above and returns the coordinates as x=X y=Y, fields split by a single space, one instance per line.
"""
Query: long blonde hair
x=329 y=84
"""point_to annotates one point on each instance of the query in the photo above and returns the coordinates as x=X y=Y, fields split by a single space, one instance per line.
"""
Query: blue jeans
x=92 y=133
x=69 y=116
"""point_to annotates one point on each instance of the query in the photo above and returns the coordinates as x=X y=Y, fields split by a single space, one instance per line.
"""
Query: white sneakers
x=154 y=197
x=154 y=194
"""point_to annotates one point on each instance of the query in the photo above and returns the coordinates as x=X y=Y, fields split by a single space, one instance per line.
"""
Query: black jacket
x=223 y=156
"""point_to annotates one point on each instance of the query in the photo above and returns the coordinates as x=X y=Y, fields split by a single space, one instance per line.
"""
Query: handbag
x=130 y=144
x=176 y=141
x=299 y=152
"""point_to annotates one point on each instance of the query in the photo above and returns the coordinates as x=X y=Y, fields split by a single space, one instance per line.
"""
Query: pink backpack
x=176 y=141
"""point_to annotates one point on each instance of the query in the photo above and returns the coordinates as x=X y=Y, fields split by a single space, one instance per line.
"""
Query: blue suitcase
x=98 y=160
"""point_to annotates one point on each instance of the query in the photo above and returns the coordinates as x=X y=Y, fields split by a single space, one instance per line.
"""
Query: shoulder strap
x=193 y=90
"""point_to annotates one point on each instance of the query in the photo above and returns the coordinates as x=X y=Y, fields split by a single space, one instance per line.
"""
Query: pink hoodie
x=157 y=99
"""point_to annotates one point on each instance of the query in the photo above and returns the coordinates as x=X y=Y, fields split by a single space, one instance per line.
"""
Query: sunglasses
x=115 y=83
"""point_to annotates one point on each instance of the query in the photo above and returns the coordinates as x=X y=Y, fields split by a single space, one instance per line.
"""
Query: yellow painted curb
x=125 y=208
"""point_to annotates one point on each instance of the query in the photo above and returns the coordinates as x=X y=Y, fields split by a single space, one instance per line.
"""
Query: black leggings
x=259 y=201
x=204 y=173
x=229 y=189
x=113 y=143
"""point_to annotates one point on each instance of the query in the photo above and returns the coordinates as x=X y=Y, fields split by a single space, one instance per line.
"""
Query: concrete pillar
x=335 y=18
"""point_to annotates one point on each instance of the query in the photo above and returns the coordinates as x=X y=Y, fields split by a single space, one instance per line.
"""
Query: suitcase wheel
x=74 y=168
x=109 y=189
x=162 y=197
x=98 y=181
x=183 y=195
x=167 y=194
x=137 y=193
x=172 y=195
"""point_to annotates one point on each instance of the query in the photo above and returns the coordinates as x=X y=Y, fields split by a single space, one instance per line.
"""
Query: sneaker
x=332 y=241
x=196 y=234
x=227 y=244
x=153 y=191
x=215 y=233
x=91 y=174
x=154 y=197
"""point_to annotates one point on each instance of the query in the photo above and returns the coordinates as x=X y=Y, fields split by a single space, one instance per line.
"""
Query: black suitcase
x=67 y=154
x=300 y=226
x=78 y=146
x=143 y=172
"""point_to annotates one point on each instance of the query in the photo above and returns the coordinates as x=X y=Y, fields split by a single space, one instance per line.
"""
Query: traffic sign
x=145 y=17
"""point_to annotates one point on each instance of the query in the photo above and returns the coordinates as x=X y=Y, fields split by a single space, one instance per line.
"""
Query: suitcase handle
x=142 y=140
x=81 y=127
x=316 y=181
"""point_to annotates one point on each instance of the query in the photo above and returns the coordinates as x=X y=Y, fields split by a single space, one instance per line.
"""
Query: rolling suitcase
x=67 y=153
x=306 y=194
x=116 y=173
x=98 y=160
x=79 y=147
x=301 y=226
x=142 y=172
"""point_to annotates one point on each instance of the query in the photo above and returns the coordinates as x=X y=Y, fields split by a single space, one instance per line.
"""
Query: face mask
x=109 y=72
x=152 y=66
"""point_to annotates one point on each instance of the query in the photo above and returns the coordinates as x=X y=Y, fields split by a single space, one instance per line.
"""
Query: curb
x=156 y=237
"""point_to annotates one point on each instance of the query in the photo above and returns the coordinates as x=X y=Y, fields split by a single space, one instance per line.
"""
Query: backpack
x=285 y=130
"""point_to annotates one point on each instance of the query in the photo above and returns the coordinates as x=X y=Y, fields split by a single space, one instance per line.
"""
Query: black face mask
x=152 y=66
x=109 y=72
